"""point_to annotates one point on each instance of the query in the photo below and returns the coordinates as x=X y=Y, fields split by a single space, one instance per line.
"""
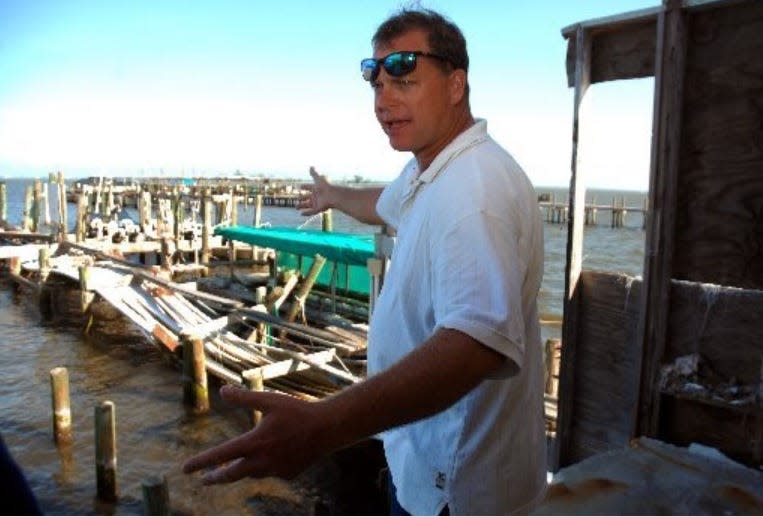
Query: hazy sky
x=202 y=87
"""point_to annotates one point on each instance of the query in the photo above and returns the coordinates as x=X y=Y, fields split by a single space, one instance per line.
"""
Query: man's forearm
x=427 y=381
x=359 y=203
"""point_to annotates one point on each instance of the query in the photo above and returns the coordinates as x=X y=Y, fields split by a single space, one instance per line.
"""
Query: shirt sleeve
x=477 y=284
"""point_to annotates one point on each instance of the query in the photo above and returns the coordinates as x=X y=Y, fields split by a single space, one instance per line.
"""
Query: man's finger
x=236 y=470
x=223 y=453
x=259 y=400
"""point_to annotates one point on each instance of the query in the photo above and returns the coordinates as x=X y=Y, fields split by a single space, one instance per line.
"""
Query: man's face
x=416 y=111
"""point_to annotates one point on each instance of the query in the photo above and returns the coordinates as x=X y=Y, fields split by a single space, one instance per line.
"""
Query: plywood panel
x=606 y=373
x=719 y=225
x=721 y=324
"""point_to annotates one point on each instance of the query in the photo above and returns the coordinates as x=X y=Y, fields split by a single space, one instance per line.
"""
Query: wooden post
x=62 y=415
x=645 y=213
x=3 y=201
x=44 y=262
x=305 y=287
x=653 y=327
x=553 y=349
x=573 y=266
x=106 y=451
x=145 y=212
x=255 y=382
x=177 y=211
x=195 y=392
x=81 y=226
x=36 y=206
x=231 y=259
x=206 y=229
x=167 y=253
x=234 y=207
x=45 y=205
x=86 y=297
x=27 y=216
x=62 y=212
x=327 y=221
x=156 y=496
x=258 y=211
x=14 y=265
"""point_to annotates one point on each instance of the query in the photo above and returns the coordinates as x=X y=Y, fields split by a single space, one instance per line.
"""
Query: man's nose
x=385 y=95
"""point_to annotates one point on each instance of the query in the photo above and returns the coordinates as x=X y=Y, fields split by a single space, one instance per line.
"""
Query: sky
x=130 y=88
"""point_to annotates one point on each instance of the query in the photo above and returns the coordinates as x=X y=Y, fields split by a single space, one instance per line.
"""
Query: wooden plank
x=281 y=368
x=623 y=51
x=719 y=231
x=166 y=337
x=23 y=251
x=115 y=297
x=722 y=325
x=663 y=184
x=606 y=376
x=205 y=329
x=736 y=431
x=574 y=256
x=27 y=236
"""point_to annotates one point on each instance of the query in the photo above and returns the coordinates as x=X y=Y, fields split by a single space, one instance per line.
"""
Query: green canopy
x=346 y=248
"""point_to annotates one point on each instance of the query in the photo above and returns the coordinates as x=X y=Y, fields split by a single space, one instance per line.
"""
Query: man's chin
x=399 y=146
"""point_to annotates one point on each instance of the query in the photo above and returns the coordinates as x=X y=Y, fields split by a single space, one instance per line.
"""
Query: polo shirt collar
x=474 y=135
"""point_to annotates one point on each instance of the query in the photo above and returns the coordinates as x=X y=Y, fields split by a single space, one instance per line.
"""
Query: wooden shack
x=675 y=355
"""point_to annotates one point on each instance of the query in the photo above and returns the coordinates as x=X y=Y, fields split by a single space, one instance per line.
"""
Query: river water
x=154 y=431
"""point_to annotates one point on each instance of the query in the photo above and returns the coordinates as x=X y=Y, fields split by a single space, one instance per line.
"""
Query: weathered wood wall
x=702 y=293
x=719 y=217
x=606 y=368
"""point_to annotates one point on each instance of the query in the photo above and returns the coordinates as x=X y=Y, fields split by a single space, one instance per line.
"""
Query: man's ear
x=457 y=85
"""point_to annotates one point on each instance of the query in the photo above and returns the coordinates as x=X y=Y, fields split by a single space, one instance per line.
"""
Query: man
x=455 y=369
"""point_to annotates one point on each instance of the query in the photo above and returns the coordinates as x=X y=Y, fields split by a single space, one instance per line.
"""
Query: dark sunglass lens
x=400 y=63
x=369 y=68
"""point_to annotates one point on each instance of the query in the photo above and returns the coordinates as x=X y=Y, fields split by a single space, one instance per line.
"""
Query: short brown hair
x=444 y=37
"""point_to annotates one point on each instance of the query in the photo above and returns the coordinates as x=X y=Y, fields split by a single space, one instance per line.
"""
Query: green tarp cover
x=347 y=248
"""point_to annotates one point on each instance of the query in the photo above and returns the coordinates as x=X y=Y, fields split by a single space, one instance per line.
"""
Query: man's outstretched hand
x=283 y=444
x=318 y=197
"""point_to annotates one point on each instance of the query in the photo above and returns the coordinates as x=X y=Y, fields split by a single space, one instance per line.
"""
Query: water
x=154 y=431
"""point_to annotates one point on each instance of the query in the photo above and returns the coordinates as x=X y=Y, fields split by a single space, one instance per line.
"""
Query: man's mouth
x=391 y=126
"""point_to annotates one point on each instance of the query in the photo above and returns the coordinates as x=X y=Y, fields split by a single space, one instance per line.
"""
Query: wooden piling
x=36 y=205
x=257 y=211
x=80 y=230
x=106 y=451
x=86 y=296
x=234 y=207
x=327 y=221
x=45 y=204
x=14 y=265
x=195 y=391
x=206 y=229
x=27 y=216
x=3 y=201
x=156 y=496
x=305 y=287
x=62 y=212
x=553 y=356
x=145 y=211
x=44 y=262
x=255 y=381
x=62 y=416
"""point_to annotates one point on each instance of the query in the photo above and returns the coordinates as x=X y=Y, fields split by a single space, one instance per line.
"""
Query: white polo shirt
x=468 y=256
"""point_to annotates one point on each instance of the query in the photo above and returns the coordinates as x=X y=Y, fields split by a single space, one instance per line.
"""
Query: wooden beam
x=663 y=181
x=574 y=254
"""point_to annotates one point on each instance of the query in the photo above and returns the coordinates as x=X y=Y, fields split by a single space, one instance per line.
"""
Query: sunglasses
x=396 y=64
